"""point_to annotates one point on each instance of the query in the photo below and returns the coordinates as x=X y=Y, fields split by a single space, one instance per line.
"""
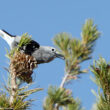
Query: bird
x=42 y=54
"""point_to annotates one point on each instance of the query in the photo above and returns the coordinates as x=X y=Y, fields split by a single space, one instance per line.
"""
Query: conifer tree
x=75 y=52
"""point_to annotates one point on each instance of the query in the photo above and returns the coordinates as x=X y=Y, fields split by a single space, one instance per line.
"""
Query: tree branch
x=14 y=85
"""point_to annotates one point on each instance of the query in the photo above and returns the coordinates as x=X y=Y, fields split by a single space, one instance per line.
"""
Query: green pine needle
x=20 y=102
x=25 y=39
x=76 y=51
x=101 y=71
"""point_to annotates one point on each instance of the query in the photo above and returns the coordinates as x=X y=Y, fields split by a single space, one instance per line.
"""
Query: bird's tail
x=7 y=37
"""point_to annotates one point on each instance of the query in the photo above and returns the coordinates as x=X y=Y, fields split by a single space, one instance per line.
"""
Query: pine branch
x=57 y=96
x=21 y=67
x=101 y=70
x=19 y=102
x=64 y=80
x=13 y=68
x=14 y=85
x=76 y=51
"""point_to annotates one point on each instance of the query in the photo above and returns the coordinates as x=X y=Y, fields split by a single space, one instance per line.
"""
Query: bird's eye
x=53 y=49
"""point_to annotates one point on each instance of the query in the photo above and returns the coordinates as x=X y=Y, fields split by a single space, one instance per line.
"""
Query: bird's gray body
x=43 y=54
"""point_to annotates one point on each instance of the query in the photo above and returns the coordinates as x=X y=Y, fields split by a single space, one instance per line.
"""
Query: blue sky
x=43 y=19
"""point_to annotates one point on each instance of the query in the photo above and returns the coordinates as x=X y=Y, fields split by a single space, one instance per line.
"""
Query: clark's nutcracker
x=43 y=54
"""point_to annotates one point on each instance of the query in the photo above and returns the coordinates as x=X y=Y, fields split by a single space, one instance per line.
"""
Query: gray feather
x=43 y=55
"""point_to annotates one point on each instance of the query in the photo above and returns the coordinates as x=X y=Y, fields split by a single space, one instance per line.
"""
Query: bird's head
x=53 y=52
x=56 y=53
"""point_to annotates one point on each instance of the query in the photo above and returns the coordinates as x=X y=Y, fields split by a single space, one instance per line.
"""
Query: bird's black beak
x=58 y=55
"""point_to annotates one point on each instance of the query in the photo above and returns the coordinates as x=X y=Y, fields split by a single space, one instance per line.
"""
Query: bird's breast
x=42 y=57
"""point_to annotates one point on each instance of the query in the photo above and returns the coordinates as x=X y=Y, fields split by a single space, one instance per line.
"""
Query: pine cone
x=22 y=66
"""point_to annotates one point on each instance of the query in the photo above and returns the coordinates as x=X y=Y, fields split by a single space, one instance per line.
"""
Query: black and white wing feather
x=30 y=48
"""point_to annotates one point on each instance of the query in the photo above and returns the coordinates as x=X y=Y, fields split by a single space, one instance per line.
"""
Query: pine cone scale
x=22 y=65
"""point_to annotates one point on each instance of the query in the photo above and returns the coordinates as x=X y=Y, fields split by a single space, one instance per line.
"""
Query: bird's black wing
x=30 y=47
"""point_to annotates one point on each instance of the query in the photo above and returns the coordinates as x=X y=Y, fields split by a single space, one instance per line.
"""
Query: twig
x=64 y=80
x=61 y=86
